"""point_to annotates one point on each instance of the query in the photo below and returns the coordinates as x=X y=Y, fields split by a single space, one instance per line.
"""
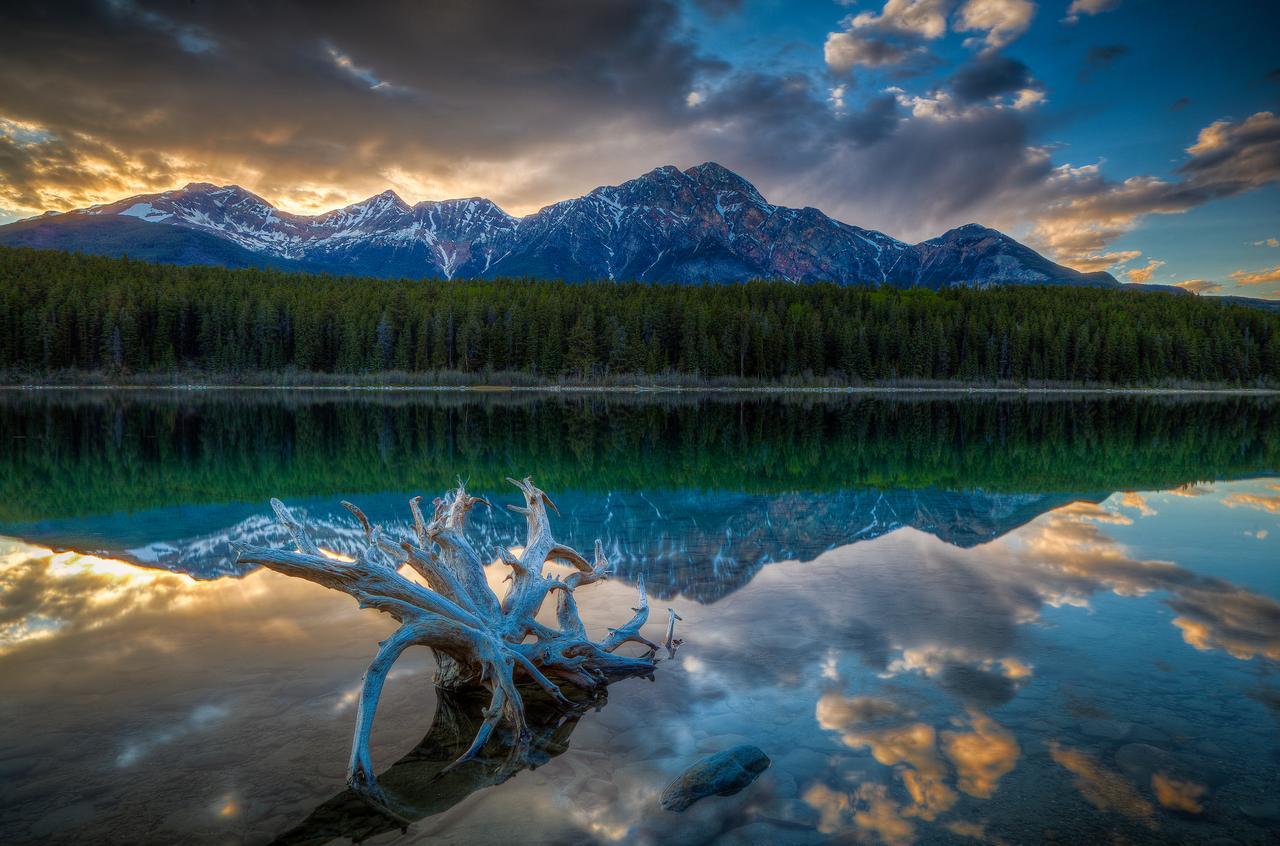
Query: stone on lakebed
x=722 y=774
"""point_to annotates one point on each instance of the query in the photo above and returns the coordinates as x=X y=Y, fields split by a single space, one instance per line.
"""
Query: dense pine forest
x=66 y=314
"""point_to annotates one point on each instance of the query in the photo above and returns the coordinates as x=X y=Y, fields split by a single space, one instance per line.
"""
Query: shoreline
x=657 y=389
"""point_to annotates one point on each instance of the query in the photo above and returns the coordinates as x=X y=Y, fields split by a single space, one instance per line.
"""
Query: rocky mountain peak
x=717 y=177
x=702 y=224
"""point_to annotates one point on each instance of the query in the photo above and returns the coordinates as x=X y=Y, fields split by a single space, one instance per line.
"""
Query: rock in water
x=721 y=774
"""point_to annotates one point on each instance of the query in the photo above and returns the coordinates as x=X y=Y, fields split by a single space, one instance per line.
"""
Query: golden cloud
x=1199 y=286
x=1136 y=501
x=982 y=756
x=1086 y=212
x=1141 y=275
x=1256 y=277
x=1178 y=794
x=1259 y=502
x=1104 y=789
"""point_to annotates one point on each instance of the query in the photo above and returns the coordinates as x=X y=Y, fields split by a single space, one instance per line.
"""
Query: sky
x=1136 y=136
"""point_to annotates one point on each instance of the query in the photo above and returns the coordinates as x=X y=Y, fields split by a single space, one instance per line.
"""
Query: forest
x=63 y=314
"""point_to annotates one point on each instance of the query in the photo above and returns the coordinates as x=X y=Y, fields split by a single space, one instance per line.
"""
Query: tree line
x=63 y=312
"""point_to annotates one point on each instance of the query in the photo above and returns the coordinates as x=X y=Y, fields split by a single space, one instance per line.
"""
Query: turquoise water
x=945 y=620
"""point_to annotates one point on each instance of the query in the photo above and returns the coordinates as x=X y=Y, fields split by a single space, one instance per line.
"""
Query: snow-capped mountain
x=701 y=224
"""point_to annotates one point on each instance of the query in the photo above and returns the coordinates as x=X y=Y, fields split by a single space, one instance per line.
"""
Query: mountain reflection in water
x=924 y=661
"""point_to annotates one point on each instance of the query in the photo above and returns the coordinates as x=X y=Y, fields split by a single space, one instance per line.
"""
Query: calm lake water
x=1002 y=621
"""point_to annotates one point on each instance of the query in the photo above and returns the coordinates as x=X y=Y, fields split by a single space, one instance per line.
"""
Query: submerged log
x=479 y=640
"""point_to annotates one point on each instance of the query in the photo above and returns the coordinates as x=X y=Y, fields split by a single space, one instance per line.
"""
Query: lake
x=1003 y=619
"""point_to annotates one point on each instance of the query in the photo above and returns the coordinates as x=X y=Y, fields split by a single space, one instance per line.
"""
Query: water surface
x=945 y=620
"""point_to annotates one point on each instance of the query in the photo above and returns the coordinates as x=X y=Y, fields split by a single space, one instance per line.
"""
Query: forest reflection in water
x=1104 y=670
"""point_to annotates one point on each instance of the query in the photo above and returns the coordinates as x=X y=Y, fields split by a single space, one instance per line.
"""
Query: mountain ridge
x=702 y=224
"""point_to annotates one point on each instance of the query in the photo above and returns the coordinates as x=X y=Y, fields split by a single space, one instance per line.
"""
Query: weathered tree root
x=477 y=639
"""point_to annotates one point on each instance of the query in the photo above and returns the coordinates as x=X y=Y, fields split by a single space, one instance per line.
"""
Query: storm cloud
x=990 y=76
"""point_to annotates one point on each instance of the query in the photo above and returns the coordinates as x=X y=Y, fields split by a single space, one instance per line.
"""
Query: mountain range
x=704 y=224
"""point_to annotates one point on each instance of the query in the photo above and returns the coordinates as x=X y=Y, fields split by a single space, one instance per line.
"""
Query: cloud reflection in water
x=889 y=680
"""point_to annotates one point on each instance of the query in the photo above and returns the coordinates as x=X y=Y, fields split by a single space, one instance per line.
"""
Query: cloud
x=1178 y=794
x=845 y=50
x=1105 y=54
x=1260 y=502
x=1267 y=242
x=991 y=76
x=889 y=38
x=299 y=101
x=1100 y=57
x=921 y=18
x=1103 y=788
x=1256 y=277
x=1105 y=260
x=1136 y=501
x=981 y=754
x=1200 y=286
x=1180 y=104
x=1089 y=7
x=1084 y=211
x=1144 y=274
x=1001 y=20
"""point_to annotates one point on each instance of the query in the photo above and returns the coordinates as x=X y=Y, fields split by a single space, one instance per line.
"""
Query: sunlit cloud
x=1144 y=274
x=891 y=37
x=1001 y=20
x=1178 y=794
x=1256 y=277
x=43 y=593
x=1102 y=787
x=1136 y=501
x=1089 y=7
x=980 y=757
x=1104 y=261
x=1269 y=503
x=1088 y=212
x=1200 y=286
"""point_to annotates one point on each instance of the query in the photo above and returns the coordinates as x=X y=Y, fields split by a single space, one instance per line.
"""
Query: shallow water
x=944 y=620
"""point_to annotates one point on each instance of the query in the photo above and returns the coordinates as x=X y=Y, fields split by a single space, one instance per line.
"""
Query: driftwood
x=478 y=640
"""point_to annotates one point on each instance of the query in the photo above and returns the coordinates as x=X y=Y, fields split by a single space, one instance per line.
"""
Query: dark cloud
x=1180 y=104
x=1106 y=53
x=990 y=76
x=977 y=687
x=790 y=120
x=1100 y=57
x=312 y=107
x=298 y=93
